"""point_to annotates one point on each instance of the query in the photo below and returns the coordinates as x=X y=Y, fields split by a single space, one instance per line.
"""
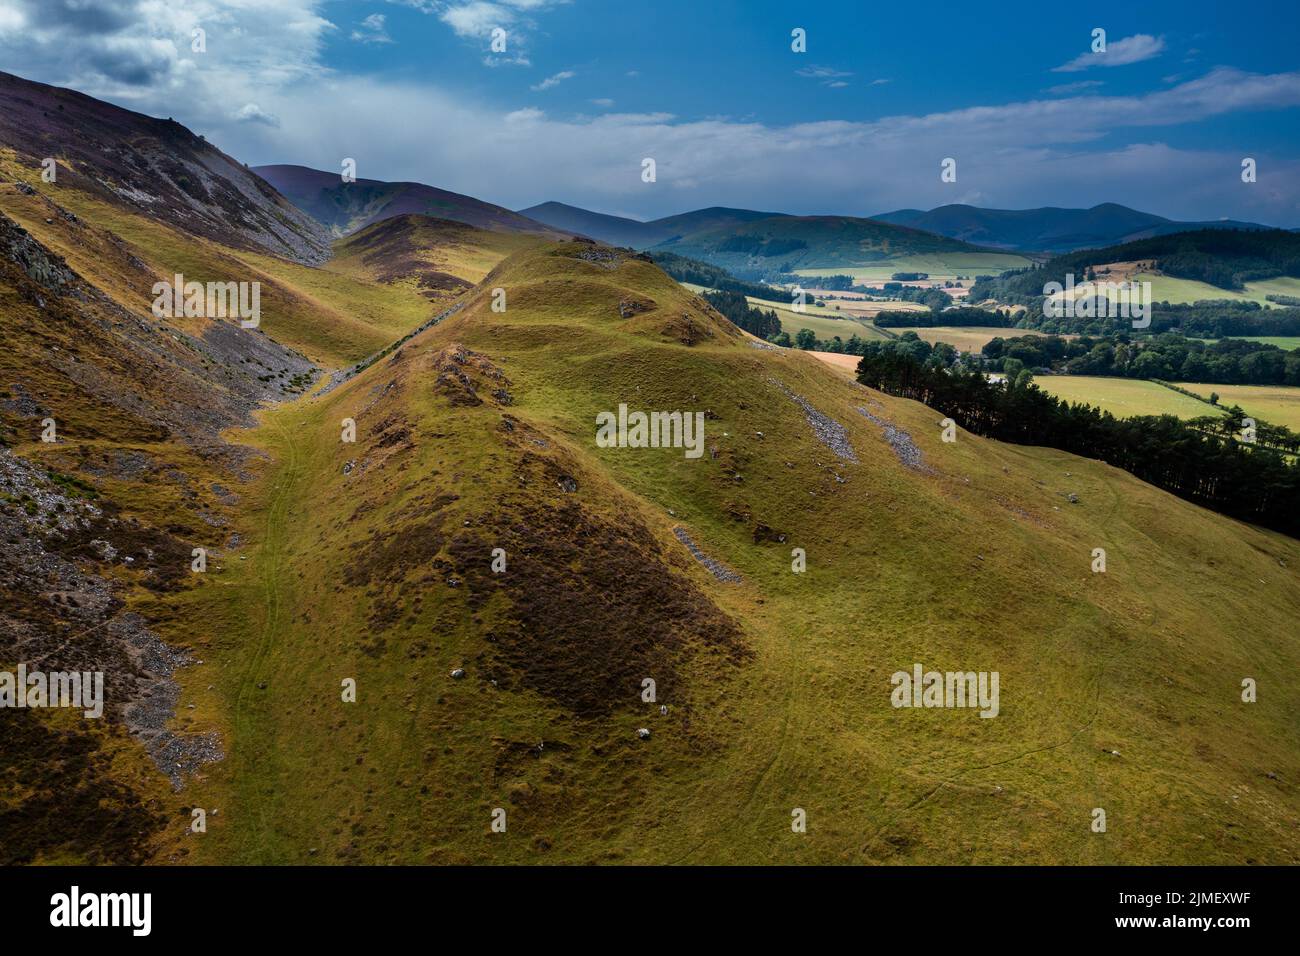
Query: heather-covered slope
x=153 y=167
x=345 y=208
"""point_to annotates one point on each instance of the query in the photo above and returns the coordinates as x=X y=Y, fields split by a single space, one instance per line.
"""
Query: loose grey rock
x=900 y=441
x=715 y=567
x=828 y=431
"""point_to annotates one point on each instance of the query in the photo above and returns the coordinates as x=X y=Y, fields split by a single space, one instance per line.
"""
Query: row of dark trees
x=1245 y=481
x=962 y=316
x=755 y=321
x=1167 y=356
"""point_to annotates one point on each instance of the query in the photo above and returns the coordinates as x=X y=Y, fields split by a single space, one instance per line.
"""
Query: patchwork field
x=1285 y=342
x=1123 y=397
x=964 y=338
x=1170 y=289
x=824 y=320
x=1275 y=404
x=940 y=267
x=847 y=364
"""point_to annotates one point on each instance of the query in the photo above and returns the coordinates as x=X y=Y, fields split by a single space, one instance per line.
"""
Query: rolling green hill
x=373 y=561
x=443 y=534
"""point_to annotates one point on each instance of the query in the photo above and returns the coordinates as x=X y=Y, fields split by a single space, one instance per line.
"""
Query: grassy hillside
x=435 y=258
x=1171 y=289
x=330 y=316
x=1124 y=397
x=373 y=561
x=111 y=473
x=1275 y=404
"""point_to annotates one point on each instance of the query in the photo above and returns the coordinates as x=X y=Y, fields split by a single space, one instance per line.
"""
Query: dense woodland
x=1167 y=356
x=961 y=316
x=1220 y=472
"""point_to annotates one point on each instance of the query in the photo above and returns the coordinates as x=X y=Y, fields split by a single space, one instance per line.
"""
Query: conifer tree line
x=1222 y=472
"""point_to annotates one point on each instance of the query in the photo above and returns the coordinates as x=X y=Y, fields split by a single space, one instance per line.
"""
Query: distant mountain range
x=619 y=231
x=1048 y=229
x=345 y=208
x=746 y=241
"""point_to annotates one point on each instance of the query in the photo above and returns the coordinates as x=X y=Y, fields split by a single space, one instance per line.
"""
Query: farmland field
x=1275 y=404
x=965 y=338
x=823 y=326
x=1169 y=289
x=870 y=308
x=825 y=322
x=940 y=268
x=1124 y=397
x=1284 y=342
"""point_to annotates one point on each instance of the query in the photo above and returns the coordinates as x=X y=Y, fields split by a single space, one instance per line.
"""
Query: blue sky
x=586 y=89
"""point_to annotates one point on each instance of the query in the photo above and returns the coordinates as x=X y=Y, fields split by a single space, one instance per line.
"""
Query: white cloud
x=1063 y=89
x=252 y=113
x=478 y=19
x=1134 y=49
x=554 y=80
x=372 y=30
x=12 y=21
x=1045 y=151
x=603 y=101
x=821 y=72
x=1039 y=152
x=138 y=53
x=828 y=75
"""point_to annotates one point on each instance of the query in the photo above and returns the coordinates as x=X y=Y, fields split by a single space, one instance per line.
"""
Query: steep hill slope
x=520 y=686
x=345 y=208
x=331 y=317
x=112 y=471
x=1049 y=229
x=150 y=166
